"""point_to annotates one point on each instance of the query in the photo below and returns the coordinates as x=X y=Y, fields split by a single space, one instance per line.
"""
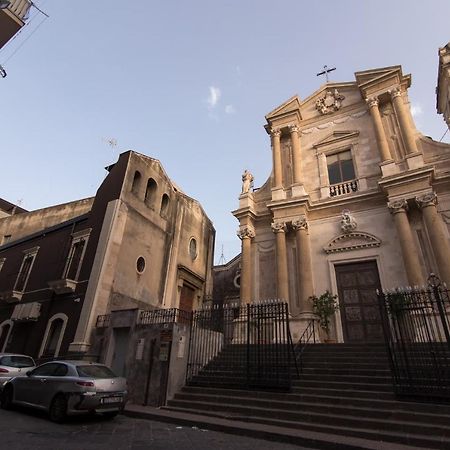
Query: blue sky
x=189 y=83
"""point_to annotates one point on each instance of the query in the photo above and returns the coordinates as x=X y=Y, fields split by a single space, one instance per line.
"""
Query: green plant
x=324 y=307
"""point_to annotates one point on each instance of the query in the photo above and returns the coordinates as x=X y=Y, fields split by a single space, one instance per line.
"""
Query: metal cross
x=326 y=71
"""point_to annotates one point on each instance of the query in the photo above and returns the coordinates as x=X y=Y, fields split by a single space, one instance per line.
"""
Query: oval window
x=140 y=264
x=193 y=248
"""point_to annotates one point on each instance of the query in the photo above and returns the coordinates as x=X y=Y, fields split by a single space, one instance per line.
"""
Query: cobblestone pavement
x=30 y=430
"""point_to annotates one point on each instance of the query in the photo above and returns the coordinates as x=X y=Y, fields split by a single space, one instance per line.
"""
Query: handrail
x=305 y=338
x=291 y=344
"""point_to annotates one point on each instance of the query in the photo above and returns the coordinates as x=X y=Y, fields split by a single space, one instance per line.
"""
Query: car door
x=56 y=382
x=31 y=390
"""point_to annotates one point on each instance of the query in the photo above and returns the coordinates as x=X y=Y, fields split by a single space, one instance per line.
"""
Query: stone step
x=313 y=383
x=386 y=379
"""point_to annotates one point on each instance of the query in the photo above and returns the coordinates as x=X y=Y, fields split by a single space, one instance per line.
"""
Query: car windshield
x=95 y=371
x=17 y=361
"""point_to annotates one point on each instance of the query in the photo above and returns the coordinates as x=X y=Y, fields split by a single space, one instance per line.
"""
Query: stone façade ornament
x=330 y=102
x=348 y=222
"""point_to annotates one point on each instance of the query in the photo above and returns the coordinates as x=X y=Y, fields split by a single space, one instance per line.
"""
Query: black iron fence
x=416 y=325
x=160 y=316
x=247 y=346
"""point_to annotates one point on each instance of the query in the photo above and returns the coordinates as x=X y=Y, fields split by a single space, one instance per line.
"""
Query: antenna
x=222 y=259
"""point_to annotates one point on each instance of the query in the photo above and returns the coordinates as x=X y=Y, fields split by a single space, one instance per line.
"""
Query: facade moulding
x=355 y=240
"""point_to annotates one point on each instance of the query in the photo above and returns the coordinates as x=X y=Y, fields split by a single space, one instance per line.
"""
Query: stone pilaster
x=410 y=254
x=279 y=228
x=296 y=155
x=383 y=146
x=436 y=232
x=246 y=234
x=276 y=148
x=403 y=120
x=305 y=275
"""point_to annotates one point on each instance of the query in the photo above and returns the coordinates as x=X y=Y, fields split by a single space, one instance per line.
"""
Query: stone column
x=305 y=275
x=296 y=156
x=276 y=147
x=383 y=145
x=436 y=232
x=405 y=125
x=246 y=234
x=279 y=228
x=409 y=249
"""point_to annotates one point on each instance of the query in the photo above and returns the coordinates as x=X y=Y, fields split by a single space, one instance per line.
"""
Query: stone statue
x=247 y=181
x=348 y=222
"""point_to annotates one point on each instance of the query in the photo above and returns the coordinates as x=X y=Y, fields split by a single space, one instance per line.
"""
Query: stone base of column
x=278 y=194
x=246 y=200
x=298 y=190
x=414 y=161
x=388 y=168
x=79 y=347
x=299 y=324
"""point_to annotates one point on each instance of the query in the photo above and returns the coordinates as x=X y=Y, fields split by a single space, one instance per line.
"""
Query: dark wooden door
x=186 y=298
x=360 y=314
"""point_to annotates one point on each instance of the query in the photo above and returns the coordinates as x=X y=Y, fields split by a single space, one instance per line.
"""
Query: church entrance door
x=186 y=298
x=357 y=285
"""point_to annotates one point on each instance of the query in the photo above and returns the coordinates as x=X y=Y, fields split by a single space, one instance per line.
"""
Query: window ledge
x=63 y=286
x=11 y=296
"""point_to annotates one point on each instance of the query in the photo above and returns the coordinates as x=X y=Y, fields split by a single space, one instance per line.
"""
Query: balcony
x=63 y=286
x=347 y=187
x=12 y=19
x=11 y=296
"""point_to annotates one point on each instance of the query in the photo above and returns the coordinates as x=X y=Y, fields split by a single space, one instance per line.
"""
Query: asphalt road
x=30 y=430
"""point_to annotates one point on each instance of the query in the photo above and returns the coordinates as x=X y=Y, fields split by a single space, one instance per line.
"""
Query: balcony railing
x=347 y=187
x=20 y=8
x=159 y=316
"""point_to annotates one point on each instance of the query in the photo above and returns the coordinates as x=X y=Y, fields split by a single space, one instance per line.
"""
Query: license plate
x=111 y=400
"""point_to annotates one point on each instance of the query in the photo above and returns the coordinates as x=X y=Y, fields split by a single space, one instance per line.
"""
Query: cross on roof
x=326 y=71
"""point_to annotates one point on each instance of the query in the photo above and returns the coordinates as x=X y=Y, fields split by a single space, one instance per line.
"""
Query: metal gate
x=241 y=346
x=416 y=327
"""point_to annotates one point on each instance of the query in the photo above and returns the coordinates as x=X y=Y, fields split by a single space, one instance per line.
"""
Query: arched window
x=164 y=205
x=150 y=191
x=5 y=331
x=136 y=182
x=51 y=344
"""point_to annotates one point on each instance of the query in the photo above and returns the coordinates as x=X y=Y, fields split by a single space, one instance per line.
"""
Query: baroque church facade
x=357 y=200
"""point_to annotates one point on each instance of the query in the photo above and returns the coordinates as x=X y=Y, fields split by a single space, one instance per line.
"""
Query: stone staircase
x=343 y=390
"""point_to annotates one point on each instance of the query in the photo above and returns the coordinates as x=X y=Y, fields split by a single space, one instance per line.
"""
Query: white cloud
x=416 y=110
x=230 y=109
x=214 y=96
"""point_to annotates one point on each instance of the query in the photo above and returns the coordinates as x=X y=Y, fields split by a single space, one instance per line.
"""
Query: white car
x=14 y=365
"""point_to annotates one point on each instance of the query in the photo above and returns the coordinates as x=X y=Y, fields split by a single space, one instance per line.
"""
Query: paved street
x=27 y=429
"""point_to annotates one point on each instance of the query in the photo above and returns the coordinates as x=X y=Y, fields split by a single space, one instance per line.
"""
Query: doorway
x=119 y=359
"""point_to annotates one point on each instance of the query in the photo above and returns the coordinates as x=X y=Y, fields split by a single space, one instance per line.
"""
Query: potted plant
x=324 y=308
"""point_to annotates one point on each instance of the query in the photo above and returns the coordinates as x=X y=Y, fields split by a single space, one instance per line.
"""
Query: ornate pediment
x=289 y=106
x=351 y=241
x=335 y=137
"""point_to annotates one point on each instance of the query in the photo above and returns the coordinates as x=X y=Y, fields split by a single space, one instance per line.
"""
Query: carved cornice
x=372 y=101
x=351 y=241
x=397 y=206
x=246 y=232
x=279 y=227
x=429 y=199
x=300 y=224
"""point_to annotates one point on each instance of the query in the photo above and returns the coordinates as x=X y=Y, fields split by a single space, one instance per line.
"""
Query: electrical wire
x=446 y=131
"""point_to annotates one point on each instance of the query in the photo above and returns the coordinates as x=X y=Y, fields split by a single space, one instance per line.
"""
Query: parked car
x=67 y=388
x=13 y=365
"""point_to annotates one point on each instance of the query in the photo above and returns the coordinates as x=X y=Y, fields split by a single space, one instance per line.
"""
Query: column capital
x=246 y=232
x=300 y=224
x=372 y=101
x=278 y=226
x=429 y=199
x=293 y=129
x=396 y=92
x=398 y=206
x=275 y=132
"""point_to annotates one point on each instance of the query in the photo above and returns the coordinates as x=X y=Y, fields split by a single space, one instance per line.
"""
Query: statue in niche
x=348 y=222
x=247 y=181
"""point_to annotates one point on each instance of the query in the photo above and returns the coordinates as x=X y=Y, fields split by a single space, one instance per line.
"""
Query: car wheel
x=6 y=401
x=110 y=414
x=58 y=409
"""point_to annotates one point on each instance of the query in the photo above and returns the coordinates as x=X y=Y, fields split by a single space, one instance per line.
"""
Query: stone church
x=358 y=200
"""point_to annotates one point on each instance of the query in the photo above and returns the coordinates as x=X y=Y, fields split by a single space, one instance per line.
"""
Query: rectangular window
x=340 y=167
x=76 y=253
x=25 y=270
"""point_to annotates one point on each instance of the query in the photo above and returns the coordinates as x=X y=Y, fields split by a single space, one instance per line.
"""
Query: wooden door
x=186 y=298
x=360 y=314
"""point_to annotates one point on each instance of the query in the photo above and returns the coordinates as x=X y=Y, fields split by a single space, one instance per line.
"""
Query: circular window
x=237 y=281
x=140 y=264
x=193 y=248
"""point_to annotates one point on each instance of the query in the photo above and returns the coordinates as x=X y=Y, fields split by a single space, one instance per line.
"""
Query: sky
x=189 y=83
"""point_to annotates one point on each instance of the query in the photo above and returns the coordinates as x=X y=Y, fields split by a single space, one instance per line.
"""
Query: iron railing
x=160 y=316
x=416 y=324
x=343 y=188
x=307 y=336
x=242 y=346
